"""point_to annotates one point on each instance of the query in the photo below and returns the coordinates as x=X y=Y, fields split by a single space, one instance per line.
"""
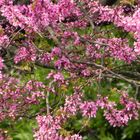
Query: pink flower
x=57 y=77
x=1 y=63
x=88 y=109
x=24 y=53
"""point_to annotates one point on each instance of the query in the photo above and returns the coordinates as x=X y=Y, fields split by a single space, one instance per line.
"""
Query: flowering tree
x=79 y=45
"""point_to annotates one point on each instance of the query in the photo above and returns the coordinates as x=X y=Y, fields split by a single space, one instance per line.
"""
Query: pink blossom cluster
x=4 y=40
x=48 y=129
x=5 y=2
x=47 y=58
x=86 y=72
x=69 y=35
x=88 y=109
x=1 y=63
x=62 y=62
x=26 y=54
x=16 y=98
x=49 y=126
x=112 y=114
x=72 y=103
x=117 y=48
x=57 y=77
x=126 y=22
x=117 y=117
x=38 y=15
x=35 y=91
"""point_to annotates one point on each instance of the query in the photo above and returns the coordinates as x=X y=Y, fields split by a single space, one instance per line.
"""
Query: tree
x=68 y=60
